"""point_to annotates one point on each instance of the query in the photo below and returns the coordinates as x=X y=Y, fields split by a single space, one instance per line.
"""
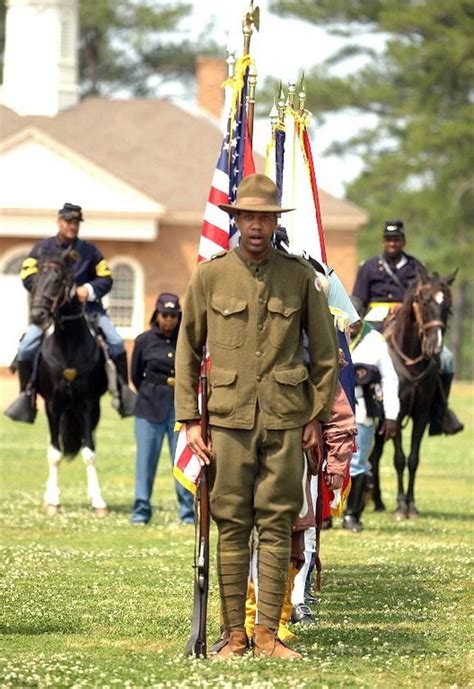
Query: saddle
x=368 y=377
x=86 y=361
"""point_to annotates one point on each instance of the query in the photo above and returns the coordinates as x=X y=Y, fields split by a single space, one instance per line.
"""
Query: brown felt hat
x=256 y=193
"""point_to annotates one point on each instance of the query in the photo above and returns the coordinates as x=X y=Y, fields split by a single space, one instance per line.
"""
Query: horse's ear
x=449 y=279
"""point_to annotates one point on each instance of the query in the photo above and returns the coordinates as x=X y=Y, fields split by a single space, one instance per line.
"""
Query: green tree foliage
x=418 y=159
x=124 y=43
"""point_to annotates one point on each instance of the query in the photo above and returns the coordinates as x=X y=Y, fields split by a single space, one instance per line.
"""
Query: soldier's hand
x=196 y=444
x=82 y=293
x=310 y=434
x=334 y=481
x=388 y=429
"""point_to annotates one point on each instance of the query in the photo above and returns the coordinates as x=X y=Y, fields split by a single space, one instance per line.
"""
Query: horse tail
x=70 y=434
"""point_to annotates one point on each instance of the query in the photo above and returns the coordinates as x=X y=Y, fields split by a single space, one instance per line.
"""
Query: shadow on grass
x=38 y=629
x=367 y=606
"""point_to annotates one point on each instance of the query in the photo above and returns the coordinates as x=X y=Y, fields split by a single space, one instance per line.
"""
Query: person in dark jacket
x=380 y=286
x=153 y=374
x=381 y=281
x=93 y=280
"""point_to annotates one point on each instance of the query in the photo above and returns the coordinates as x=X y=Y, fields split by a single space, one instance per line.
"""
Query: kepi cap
x=167 y=302
x=71 y=212
x=393 y=228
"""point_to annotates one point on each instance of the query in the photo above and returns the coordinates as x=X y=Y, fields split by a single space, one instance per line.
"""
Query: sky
x=283 y=48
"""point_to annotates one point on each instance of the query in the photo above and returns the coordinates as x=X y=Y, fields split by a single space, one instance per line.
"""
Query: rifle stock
x=197 y=643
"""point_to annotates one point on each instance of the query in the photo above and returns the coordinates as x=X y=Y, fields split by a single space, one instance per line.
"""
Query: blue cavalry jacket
x=91 y=268
x=374 y=284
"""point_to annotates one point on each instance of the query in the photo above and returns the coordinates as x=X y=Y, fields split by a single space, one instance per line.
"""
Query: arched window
x=124 y=302
x=11 y=262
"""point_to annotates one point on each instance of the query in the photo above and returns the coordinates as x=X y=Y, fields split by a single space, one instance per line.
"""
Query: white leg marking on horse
x=51 y=494
x=93 y=487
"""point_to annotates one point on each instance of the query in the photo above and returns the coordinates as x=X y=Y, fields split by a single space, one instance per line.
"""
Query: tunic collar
x=253 y=265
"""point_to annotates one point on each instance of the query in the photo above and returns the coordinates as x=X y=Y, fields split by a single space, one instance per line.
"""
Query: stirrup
x=23 y=408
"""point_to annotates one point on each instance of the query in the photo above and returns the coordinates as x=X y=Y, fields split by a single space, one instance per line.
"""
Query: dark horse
x=70 y=377
x=414 y=335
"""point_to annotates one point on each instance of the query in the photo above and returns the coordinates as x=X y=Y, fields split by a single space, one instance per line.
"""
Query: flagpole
x=291 y=94
x=302 y=96
x=250 y=21
x=281 y=106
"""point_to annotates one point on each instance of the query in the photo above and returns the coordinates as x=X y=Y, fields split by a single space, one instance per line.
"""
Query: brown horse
x=414 y=334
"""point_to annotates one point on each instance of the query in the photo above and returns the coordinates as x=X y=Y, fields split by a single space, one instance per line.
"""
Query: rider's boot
x=127 y=396
x=443 y=419
x=350 y=521
x=23 y=408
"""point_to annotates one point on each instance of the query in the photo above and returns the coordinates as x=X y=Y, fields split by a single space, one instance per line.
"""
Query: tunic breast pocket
x=284 y=321
x=228 y=320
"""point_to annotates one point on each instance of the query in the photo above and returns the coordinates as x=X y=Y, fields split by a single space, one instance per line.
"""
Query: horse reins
x=422 y=329
x=56 y=302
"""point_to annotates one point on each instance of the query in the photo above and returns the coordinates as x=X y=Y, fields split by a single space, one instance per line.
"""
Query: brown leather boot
x=235 y=643
x=267 y=644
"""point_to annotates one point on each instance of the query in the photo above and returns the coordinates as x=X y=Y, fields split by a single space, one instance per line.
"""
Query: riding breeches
x=256 y=479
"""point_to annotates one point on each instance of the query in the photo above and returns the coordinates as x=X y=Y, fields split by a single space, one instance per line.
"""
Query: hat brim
x=71 y=216
x=229 y=208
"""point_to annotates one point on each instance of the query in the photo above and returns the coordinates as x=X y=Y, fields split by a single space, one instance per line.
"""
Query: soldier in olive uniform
x=251 y=305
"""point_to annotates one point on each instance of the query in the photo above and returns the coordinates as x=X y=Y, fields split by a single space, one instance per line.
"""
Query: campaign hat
x=256 y=193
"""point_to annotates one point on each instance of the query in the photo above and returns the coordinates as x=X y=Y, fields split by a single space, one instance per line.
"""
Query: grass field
x=99 y=603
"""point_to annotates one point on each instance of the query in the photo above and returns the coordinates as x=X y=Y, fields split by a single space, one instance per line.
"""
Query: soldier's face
x=167 y=323
x=68 y=229
x=256 y=229
x=393 y=246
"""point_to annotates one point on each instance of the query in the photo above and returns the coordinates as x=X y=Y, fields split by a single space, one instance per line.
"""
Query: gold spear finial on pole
x=281 y=104
x=273 y=115
x=291 y=94
x=230 y=62
x=302 y=95
x=251 y=19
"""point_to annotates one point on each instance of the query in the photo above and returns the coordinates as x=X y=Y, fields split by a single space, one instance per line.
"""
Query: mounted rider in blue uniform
x=93 y=280
x=380 y=285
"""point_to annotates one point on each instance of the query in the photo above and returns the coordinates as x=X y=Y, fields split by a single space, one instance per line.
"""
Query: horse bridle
x=421 y=326
x=54 y=303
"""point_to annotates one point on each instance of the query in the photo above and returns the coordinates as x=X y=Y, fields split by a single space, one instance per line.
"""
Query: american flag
x=219 y=232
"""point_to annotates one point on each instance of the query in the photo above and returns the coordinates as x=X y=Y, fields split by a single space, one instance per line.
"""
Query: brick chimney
x=210 y=73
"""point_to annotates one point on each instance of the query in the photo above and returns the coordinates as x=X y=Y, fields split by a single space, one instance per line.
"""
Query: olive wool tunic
x=253 y=316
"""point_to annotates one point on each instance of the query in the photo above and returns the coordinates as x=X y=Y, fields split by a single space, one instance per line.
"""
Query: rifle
x=314 y=457
x=197 y=643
